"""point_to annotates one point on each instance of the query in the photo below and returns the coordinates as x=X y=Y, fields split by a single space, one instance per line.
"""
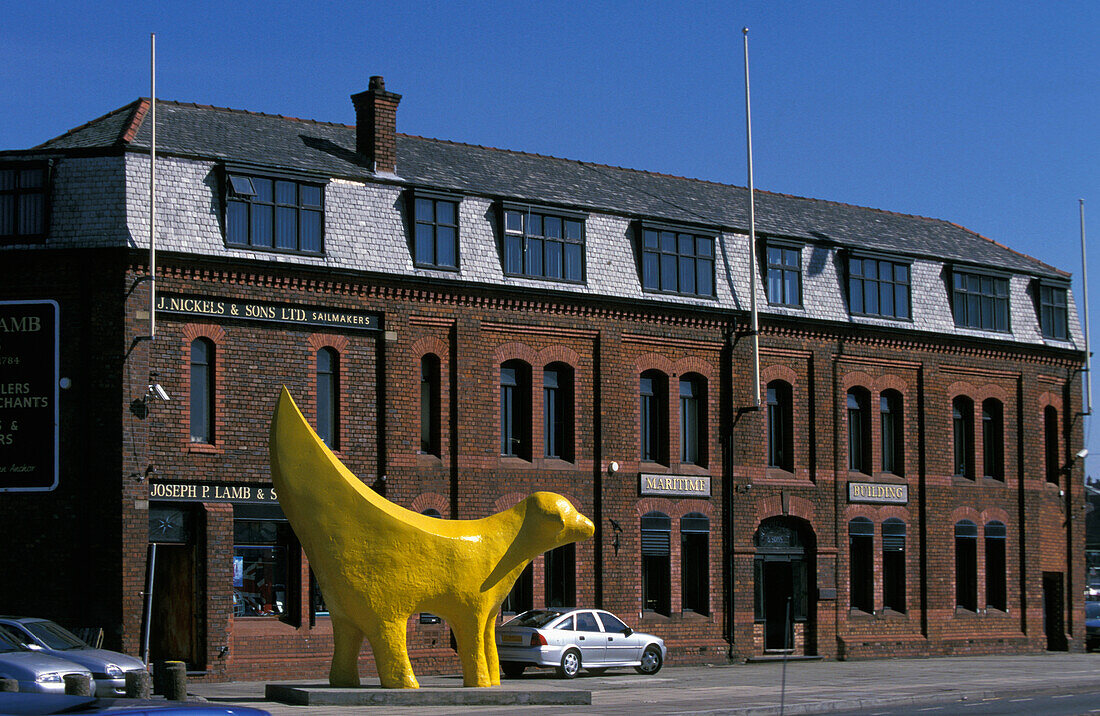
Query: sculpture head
x=551 y=521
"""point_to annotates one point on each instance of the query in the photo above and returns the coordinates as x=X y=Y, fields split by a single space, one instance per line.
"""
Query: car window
x=54 y=636
x=1092 y=610
x=534 y=618
x=7 y=642
x=586 y=621
x=611 y=622
x=565 y=624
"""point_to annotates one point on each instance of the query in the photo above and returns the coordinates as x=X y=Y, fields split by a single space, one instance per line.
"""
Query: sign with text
x=212 y=492
x=675 y=485
x=29 y=375
x=878 y=493
x=262 y=311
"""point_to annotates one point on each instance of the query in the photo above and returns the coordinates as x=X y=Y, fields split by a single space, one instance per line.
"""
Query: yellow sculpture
x=378 y=563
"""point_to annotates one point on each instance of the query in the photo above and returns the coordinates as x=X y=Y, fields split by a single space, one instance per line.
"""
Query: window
x=981 y=301
x=543 y=245
x=878 y=288
x=695 y=563
x=780 y=439
x=966 y=565
x=1050 y=444
x=656 y=566
x=435 y=231
x=1053 y=314
x=515 y=409
x=861 y=538
x=522 y=596
x=892 y=433
x=962 y=418
x=996 y=581
x=692 y=420
x=784 y=276
x=677 y=262
x=557 y=392
x=328 y=397
x=317 y=605
x=22 y=201
x=262 y=555
x=202 y=391
x=859 y=431
x=893 y=564
x=993 y=439
x=561 y=576
x=430 y=405
x=272 y=213
x=653 y=397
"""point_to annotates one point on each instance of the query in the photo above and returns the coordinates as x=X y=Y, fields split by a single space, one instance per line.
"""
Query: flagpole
x=754 y=322
x=152 y=186
x=1085 y=304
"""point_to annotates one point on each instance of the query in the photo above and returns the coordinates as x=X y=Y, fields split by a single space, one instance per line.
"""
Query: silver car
x=35 y=672
x=571 y=639
x=44 y=636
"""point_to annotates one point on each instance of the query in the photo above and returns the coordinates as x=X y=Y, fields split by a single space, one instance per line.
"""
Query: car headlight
x=114 y=671
x=50 y=677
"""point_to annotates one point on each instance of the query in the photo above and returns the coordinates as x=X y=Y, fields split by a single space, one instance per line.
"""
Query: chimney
x=376 y=126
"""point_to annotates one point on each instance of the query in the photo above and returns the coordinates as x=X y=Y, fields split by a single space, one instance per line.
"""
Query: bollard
x=175 y=681
x=8 y=685
x=78 y=684
x=139 y=684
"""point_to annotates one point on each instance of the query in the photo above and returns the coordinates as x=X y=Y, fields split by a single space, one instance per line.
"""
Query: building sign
x=879 y=493
x=212 y=492
x=29 y=385
x=675 y=485
x=264 y=311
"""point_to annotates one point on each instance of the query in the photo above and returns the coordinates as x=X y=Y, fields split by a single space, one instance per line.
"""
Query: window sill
x=890 y=477
x=962 y=480
x=653 y=467
x=652 y=617
x=689 y=469
x=993 y=481
x=426 y=459
x=210 y=448
x=555 y=463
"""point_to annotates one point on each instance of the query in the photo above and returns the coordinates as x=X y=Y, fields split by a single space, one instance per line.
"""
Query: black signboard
x=265 y=311
x=29 y=373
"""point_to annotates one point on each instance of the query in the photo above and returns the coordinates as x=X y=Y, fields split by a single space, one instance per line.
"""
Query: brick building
x=466 y=325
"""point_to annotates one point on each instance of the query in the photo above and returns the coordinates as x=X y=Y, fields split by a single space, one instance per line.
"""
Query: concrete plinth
x=325 y=695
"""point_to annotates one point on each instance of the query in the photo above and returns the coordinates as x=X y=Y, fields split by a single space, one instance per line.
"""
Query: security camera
x=159 y=392
x=613 y=467
x=1082 y=453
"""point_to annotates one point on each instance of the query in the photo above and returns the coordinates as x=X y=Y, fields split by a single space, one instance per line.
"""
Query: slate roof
x=329 y=149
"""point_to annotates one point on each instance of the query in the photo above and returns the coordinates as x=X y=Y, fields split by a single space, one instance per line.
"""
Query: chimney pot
x=376 y=125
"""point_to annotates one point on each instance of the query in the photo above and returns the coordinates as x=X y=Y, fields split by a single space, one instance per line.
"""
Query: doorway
x=1054 y=613
x=784 y=564
x=173 y=610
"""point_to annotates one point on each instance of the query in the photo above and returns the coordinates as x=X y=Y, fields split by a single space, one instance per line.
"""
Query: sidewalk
x=749 y=689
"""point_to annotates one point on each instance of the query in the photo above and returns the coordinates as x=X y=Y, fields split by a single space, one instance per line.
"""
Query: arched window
x=893 y=432
x=780 y=429
x=202 y=391
x=993 y=439
x=656 y=530
x=432 y=512
x=859 y=430
x=996 y=578
x=966 y=565
x=693 y=419
x=561 y=576
x=430 y=417
x=557 y=414
x=695 y=563
x=893 y=564
x=861 y=538
x=522 y=596
x=515 y=409
x=962 y=420
x=1050 y=444
x=328 y=396
x=653 y=409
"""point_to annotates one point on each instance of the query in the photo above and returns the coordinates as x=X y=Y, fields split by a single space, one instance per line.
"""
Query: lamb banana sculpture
x=378 y=563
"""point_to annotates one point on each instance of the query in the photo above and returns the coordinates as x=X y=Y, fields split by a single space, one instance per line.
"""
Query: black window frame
x=859 y=261
x=434 y=225
x=781 y=271
x=993 y=439
x=693 y=419
x=239 y=188
x=893 y=565
x=1053 y=314
x=780 y=438
x=659 y=252
x=962 y=434
x=861 y=565
x=328 y=397
x=968 y=299
x=430 y=405
x=202 y=392
x=560 y=576
x=1051 y=453
x=656 y=554
x=18 y=193
x=653 y=417
x=534 y=244
x=996 y=565
x=966 y=565
x=515 y=409
x=858 y=412
x=695 y=563
x=892 y=422
x=557 y=411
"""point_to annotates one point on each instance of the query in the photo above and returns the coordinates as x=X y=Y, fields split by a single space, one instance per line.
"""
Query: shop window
x=543 y=245
x=996 y=578
x=677 y=262
x=693 y=412
x=515 y=409
x=557 y=392
x=893 y=565
x=653 y=409
x=22 y=202
x=656 y=529
x=435 y=233
x=878 y=288
x=561 y=576
x=780 y=428
x=273 y=213
x=980 y=301
x=784 y=275
x=317 y=606
x=328 y=397
x=966 y=565
x=522 y=596
x=962 y=420
x=695 y=563
x=1053 y=312
x=993 y=439
x=1050 y=444
x=264 y=552
x=859 y=430
x=861 y=538
x=202 y=391
x=430 y=411
x=893 y=434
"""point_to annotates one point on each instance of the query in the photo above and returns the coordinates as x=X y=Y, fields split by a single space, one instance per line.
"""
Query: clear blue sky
x=986 y=114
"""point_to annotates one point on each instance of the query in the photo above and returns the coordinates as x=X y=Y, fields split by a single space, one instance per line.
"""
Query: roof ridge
x=197 y=105
x=136 y=119
x=89 y=123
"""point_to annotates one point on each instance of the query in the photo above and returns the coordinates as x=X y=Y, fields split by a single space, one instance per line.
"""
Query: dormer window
x=878 y=287
x=545 y=244
x=677 y=261
x=22 y=202
x=274 y=213
x=435 y=230
x=980 y=300
x=1053 y=311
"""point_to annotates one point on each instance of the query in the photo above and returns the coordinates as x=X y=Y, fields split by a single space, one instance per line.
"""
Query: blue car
x=21 y=704
x=1092 y=625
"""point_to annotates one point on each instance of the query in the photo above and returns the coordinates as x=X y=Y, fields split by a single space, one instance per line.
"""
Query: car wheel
x=570 y=664
x=651 y=661
x=512 y=669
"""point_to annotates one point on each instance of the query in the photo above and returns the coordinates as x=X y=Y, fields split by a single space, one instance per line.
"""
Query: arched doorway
x=785 y=574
